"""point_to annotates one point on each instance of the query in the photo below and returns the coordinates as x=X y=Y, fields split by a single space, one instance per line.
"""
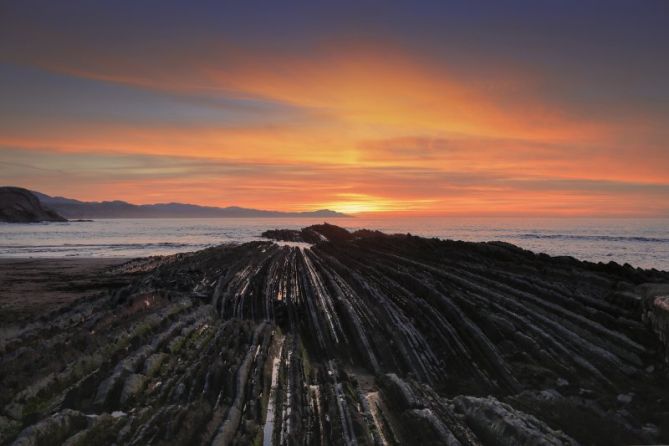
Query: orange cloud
x=354 y=145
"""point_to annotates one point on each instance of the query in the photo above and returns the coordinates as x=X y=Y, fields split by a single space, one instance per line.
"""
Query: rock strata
x=655 y=311
x=363 y=338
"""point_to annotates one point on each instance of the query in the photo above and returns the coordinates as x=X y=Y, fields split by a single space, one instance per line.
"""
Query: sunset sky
x=550 y=108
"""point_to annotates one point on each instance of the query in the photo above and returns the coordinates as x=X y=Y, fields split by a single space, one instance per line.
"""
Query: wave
x=103 y=245
x=99 y=250
x=608 y=238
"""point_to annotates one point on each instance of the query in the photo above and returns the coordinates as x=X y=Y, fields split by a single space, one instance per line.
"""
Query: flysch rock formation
x=359 y=339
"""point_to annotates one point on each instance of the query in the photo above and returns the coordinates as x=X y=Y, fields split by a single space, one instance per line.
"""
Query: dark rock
x=19 y=205
x=319 y=233
x=364 y=338
x=655 y=311
x=498 y=423
x=52 y=430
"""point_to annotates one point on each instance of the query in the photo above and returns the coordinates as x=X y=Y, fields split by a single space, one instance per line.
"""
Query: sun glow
x=352 y=203
x=352 y=207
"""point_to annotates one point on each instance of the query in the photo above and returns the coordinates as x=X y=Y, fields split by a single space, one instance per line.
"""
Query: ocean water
x=640 y=242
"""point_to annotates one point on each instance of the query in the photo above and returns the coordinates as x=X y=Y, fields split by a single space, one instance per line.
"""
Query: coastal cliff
x=358 y=338
x=18 y=205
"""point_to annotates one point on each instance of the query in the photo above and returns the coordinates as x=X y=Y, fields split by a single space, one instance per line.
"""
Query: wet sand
x=32 y=287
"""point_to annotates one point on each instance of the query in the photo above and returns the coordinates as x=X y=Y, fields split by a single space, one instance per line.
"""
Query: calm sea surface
x=640 y=242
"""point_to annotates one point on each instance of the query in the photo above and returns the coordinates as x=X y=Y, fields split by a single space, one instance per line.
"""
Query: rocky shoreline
x=361 y=338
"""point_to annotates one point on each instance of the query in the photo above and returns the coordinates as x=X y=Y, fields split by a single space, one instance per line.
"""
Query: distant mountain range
x=75 y=209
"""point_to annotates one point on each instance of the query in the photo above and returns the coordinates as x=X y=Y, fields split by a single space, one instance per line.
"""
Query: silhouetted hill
x=18 y=205
x=71 y=208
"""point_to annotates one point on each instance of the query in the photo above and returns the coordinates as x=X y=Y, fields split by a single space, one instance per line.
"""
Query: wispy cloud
x=149 y=179
x=419 y=107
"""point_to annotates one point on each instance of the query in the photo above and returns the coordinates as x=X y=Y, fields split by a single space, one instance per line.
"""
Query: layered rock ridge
x=362 y=338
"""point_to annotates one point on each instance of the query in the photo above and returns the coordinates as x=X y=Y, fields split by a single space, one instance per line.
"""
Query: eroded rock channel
x=361 y=338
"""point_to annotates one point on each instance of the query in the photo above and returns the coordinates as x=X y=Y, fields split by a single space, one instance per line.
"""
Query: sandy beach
x=30 y=286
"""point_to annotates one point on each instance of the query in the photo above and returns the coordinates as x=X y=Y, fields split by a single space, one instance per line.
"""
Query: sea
x=639 y=242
